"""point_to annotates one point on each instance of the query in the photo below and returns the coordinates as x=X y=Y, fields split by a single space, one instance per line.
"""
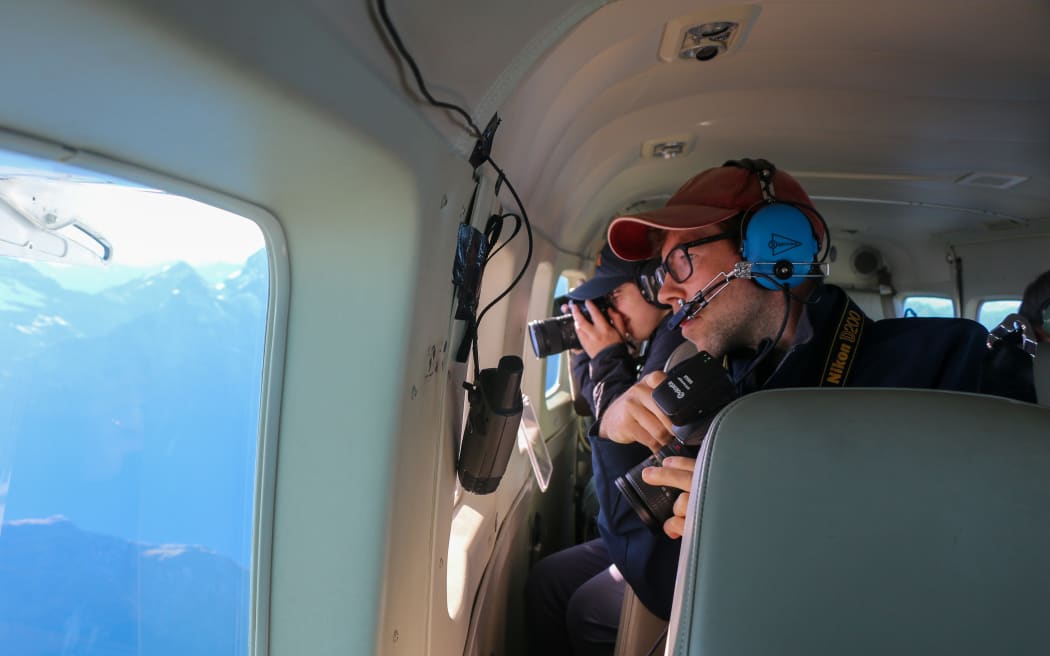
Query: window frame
x=929 y=295
x=274 y=348
x=994 y=299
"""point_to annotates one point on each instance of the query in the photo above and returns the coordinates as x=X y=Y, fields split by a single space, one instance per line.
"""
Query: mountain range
x=130 y=419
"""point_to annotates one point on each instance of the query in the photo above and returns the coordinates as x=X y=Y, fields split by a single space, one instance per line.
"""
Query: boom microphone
x=689 y=309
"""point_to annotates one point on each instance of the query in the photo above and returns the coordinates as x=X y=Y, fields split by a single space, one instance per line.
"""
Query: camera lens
x=554 y=335
x=654 y=504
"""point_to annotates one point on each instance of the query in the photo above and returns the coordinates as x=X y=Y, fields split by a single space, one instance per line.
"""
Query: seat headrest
x=868 y=521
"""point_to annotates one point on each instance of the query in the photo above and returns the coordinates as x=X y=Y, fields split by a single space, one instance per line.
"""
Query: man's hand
x=635 y=417
x=677 y=472
x=597 y=334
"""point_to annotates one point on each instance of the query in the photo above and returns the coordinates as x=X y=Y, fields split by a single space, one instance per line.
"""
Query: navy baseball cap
x=610 y=273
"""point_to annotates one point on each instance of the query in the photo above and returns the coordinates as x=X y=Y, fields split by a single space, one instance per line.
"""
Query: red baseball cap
x=710 y=197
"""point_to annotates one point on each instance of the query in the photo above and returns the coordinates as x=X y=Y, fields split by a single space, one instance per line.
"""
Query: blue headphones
x=777 y=237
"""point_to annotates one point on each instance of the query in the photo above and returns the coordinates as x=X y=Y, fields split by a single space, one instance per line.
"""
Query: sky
x=144 y=226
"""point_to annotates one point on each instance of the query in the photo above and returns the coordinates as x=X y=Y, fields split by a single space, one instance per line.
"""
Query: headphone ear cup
x=648 y=284
x=776 y=238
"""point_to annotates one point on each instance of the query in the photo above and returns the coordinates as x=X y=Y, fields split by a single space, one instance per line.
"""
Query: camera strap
x=845 y=342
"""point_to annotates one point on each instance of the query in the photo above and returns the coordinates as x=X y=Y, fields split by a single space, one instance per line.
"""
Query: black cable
x=396 y=38
x=476 y=132
x=528 y=258
x=475 y=321
x=517 y=229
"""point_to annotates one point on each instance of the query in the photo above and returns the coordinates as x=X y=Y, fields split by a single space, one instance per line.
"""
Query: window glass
x=133 y=324
x=554 y=361
x=929 y=306
x=991 y=313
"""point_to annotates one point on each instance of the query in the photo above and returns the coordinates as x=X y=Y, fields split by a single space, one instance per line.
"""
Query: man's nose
x=669 y=292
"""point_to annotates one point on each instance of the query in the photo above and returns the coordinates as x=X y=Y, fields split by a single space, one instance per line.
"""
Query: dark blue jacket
x=947 y=354
x=613 y=369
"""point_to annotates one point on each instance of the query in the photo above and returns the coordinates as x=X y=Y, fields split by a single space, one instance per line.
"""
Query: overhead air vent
x=866 y=260
x=707 y=35
x=668 y=147
x=991 y=180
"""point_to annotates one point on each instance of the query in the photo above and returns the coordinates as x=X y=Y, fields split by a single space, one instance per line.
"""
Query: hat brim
x=629 y=235
x=597 y=287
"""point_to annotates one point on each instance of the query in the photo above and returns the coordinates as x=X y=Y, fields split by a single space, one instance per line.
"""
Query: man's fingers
x=642 y=427
x=635 y=417
x=681 y=504
x=648 y=383
x=577 y=316
x=668 y=477
x=653 y=378
x=680 y=462
x=675 y=527
x=660 y=415
x=658 y=432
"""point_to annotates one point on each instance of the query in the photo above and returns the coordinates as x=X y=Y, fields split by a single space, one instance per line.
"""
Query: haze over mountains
x=130 y=418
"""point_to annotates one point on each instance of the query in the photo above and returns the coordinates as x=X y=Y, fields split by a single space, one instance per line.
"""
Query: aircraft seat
x=868 y=521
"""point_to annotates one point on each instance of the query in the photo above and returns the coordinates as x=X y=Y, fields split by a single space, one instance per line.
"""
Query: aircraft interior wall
x=367 y=224
x=367 y=543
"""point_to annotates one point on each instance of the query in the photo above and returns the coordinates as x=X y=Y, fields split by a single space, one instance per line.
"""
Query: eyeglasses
x=679 y=263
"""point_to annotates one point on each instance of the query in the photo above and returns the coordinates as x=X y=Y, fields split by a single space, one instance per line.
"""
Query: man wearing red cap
x=740 y=246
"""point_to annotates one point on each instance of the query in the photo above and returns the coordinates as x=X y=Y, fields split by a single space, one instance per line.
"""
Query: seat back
x=868 y=521
x=1041 y=367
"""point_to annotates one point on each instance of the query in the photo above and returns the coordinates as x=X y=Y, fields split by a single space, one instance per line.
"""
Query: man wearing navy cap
x=574 y=596
x=743 y=255
x=624 y=338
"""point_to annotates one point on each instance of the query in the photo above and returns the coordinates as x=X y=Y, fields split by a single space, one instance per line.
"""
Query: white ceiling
x=891 y=100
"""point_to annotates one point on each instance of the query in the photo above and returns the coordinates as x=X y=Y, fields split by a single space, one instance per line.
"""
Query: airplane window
x=991 y=313
x=133 y=326
x=928 y=306
x=554 y=361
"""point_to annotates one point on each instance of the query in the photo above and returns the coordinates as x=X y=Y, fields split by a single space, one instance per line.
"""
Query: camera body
x=557 y=334
x=695 y=390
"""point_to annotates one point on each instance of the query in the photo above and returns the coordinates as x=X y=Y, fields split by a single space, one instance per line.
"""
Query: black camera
x=695 y=390
x=554 y=335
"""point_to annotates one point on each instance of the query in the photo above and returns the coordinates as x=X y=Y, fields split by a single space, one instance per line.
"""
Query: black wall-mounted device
x=492 y=425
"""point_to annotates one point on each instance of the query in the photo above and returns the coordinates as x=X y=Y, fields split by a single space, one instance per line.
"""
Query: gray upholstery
x=1042 y=374
x=868 y=521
